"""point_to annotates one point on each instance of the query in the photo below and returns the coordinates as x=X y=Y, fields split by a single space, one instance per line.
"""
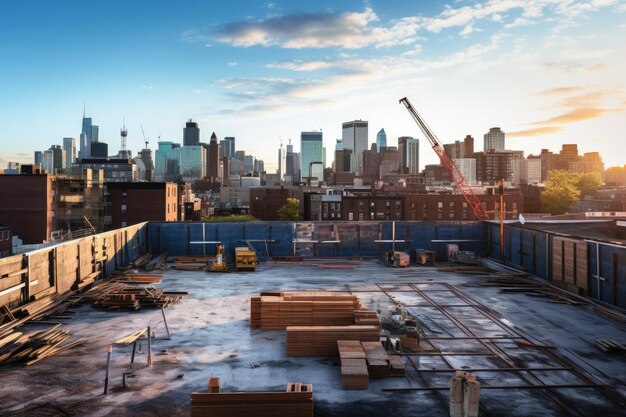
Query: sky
x=547 y=72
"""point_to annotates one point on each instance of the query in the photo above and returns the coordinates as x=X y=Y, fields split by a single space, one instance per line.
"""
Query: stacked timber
x=192 y=263
x=115 y=296
x=366 y=317
x=296 y=401
x=354 y=374
x=322 y=340
x=35 y=346
x=377 y=359
x=140 y=278
x=255 y=312
x=278 y=310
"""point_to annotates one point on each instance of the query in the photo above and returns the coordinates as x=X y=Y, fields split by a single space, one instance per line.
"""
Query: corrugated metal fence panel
x=541 y=253
x=368 y=234
x=282 y=232
x=349 y=237
x=421 y=235
x=255 y=231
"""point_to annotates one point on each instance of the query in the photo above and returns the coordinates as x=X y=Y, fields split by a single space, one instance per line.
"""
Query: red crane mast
x=461 y=183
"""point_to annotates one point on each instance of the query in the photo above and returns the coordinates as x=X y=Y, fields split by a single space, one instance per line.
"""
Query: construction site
x=316 y=319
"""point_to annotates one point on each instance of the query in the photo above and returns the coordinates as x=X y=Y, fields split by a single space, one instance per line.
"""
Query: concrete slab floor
x=211 y=337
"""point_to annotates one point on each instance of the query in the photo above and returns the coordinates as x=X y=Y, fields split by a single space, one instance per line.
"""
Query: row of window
x=4 y=235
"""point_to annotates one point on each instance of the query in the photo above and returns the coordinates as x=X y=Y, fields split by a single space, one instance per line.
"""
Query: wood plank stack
x=255 y=312
x=115 y=296
x=322 y=340
x=140 y=278
x=377 y=359
x=354 y=374
x=35 y=346
x=278 y=310
x=296 y=401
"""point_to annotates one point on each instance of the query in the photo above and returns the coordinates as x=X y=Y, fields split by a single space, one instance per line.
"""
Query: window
x=123 y=224
x=399 y=204
x=372 y=215
x=123 y=208
x=360 y=205
x=372 y=204
x=387 y=204
x=350 y=216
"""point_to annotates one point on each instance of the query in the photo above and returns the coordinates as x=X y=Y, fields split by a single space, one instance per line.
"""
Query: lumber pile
x=114 y=295
x=160 y=262
x=278 y=310
x=35 y=346
x=322 y=340
x=140 y=278
x=354 y=373
x=295 y=401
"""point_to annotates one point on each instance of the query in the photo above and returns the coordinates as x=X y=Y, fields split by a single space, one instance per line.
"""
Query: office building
x=494 y=139
x=131 y=203
x=355 y=137
x=311 y=148
x=191 y=134
x=381 y=139
x=99 y=150
x=228 y=150
x=69 y=146
x=38 y=158
x=459 y=150
x=89 y=133
x=162 y=155
x=467 y=167
x=191 y=161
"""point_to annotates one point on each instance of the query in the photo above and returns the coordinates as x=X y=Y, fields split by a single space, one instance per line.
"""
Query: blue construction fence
x=324 y=239
x=532 y=250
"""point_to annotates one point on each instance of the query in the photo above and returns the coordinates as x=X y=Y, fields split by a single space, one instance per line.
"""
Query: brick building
x=27 y=204
x=135 y=202
x=265 y=201
x=425 y=207
x=5 y=241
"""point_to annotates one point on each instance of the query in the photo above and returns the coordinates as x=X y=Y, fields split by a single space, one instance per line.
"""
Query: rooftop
x=475 y=325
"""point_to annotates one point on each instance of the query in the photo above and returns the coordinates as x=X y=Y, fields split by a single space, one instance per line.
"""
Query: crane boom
x=461 y=183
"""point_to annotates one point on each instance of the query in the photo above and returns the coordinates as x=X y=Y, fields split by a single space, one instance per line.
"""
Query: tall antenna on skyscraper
x=123 y=134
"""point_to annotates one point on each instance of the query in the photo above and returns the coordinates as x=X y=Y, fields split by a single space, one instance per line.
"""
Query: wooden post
x=167 y=329
x=149 y=346
x=132 y=356
x=106 y=377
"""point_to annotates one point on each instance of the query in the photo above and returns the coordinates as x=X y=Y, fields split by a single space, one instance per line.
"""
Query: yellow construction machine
x=218 y=264
x=245 y=259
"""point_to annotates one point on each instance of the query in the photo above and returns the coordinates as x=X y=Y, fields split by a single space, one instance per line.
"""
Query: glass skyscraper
x=311 y=151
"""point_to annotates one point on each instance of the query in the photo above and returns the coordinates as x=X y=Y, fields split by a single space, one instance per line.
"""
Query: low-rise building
x=135 y=202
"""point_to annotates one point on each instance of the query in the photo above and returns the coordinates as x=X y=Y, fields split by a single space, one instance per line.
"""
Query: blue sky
x=547 y=71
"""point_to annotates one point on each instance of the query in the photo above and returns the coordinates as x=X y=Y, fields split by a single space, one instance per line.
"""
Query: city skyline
x=546 y=72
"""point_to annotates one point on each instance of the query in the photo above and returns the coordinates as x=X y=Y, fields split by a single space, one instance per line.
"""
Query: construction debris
x=464 y=395
x=512 y=283
x=361 y=361
x=160 y=262
x=609 y=346
x=35 y=346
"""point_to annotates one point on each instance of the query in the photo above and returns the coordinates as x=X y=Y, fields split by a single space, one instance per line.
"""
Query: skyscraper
x=38 y=158
x=229 y=152
x=354 y=137
x=69 y=146
x=88 y=134
x=213 y=169
x=412 y=155
x=311 y=150
x=191 y=134
x=381 y=139
x=494 y=139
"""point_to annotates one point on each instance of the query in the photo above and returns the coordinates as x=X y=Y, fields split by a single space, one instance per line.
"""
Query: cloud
x=575 y=67
x=591 y=99
x=351 y=30
x=299 y=65
x=148 y=87
x=539 y=131
x=232 y=64
x=559 y=91
x=577 y=115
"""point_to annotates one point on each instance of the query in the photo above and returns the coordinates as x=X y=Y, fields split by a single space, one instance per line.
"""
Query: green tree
x=588 y=183
x=560 y=192
x=290 y=211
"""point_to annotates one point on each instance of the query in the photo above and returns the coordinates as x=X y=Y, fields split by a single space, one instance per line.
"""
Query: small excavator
x=219 y=263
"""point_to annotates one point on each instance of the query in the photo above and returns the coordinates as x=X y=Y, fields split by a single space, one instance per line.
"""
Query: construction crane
x=461 y=183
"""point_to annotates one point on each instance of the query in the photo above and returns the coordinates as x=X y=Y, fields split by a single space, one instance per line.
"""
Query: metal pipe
x=106 y=377
x=167 y=329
